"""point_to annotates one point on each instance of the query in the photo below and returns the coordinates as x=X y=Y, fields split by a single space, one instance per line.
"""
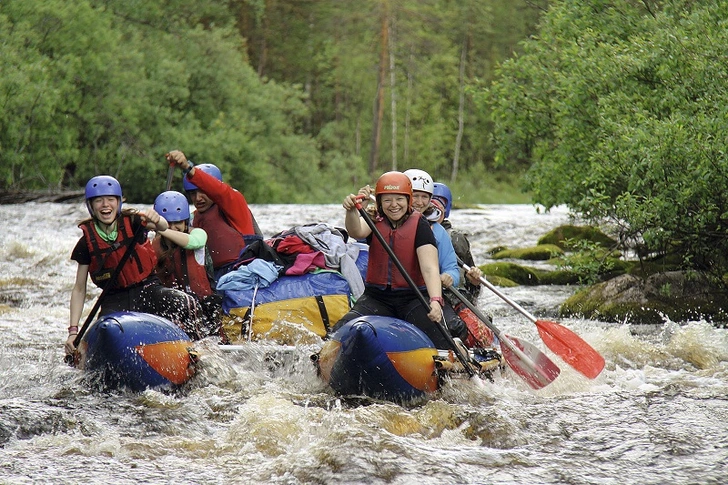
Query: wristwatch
x=439 y=300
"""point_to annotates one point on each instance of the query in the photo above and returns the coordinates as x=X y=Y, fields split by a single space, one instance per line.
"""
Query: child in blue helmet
x=183 y=260
x=181 y=251
x=107 y=235
x=470 y=286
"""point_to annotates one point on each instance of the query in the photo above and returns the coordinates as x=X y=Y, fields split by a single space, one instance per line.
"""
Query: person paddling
x=221 y=211
x=387 y=291
x=183 y=261
x=479 y=335
x=107 y=235
x=422 y=186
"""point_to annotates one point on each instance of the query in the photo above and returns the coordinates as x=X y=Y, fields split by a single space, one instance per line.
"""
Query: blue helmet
x=173 y=206
x=102 y=185
x=205 y=167
x=442 y=192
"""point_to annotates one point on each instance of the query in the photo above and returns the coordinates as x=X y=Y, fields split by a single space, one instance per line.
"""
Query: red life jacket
x=105 y=257
x=224 y=242
x=181 y=270
x=381 y=271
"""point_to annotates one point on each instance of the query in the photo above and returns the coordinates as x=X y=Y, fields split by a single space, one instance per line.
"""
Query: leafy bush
x=619 y=107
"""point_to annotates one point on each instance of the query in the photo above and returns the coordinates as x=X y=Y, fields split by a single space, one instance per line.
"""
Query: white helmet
x=421 y=180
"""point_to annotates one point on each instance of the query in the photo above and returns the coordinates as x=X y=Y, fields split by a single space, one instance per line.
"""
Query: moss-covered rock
x=501 y=281
x=514 y=272
x=564 y=236
x=542 y=252
x=648 y=267
x=497 y=250
x=558 y=277
x=677 y=295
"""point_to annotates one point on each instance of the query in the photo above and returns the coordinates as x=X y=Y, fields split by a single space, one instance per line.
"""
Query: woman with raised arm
x=387 y=291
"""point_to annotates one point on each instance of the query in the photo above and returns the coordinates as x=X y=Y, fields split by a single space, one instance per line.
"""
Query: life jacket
x=224 y=242
x=105 y=257
x=479 y=335
x=181 y=270
x=462 y=249
x=381 y=271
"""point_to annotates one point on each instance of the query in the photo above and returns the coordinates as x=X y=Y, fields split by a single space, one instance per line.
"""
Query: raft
x=389 y=359
x=372 y=356
x=137 y=351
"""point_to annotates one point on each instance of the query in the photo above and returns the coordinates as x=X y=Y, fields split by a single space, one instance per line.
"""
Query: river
x=657 y=414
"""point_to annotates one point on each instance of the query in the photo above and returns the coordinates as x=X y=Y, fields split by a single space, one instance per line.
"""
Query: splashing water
x=658 y=413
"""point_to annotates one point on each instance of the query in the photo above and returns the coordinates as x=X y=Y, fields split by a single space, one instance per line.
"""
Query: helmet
x=99 y=186
x=205 y=167
x=394 y=183
x=421 y=180
x=173 y=206
x=442 y=192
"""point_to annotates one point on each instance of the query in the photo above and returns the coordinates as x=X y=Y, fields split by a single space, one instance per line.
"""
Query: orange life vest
x=105 y=257
x=381 y=271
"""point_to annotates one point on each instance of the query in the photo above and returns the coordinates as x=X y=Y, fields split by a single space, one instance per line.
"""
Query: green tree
x=110 y=88
x=279 y=94
x=619 y=108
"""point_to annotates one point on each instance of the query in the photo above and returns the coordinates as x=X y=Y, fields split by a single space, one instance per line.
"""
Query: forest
x=296 y=101
x=617 y=109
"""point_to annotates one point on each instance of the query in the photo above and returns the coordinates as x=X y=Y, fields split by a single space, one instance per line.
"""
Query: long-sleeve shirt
x=231 y=202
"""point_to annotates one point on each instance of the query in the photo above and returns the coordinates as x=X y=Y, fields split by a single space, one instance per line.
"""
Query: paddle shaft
x=503 y=338
x=170 y=174
x=500 y=294
x=440 y=325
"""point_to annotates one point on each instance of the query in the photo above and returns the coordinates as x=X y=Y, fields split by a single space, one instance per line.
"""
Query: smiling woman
x=115 y=252
x=387 y=289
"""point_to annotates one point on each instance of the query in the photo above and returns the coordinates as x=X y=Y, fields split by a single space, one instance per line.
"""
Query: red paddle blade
x=571 y=348
x=530 y=363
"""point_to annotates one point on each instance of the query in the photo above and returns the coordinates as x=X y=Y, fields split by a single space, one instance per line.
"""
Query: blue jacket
x=446 y=253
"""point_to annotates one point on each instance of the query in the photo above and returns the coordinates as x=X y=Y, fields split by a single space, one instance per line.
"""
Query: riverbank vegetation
x=617 y=109
x=614 y=109
x=295 y=101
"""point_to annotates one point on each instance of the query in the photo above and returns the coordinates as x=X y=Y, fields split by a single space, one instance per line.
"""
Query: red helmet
x=394 y=183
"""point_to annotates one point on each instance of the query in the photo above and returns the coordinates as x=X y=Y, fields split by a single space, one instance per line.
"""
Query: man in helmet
x=221 y=210
x=107 y=235
x=479 y=335
x=387 y=292
x=471 y=286
x=422 y=186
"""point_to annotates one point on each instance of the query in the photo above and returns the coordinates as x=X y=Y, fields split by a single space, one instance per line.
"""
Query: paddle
x=523 y=357
x=71 y=358
x=464 y=359
x=170 y=174
x=562 y=341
